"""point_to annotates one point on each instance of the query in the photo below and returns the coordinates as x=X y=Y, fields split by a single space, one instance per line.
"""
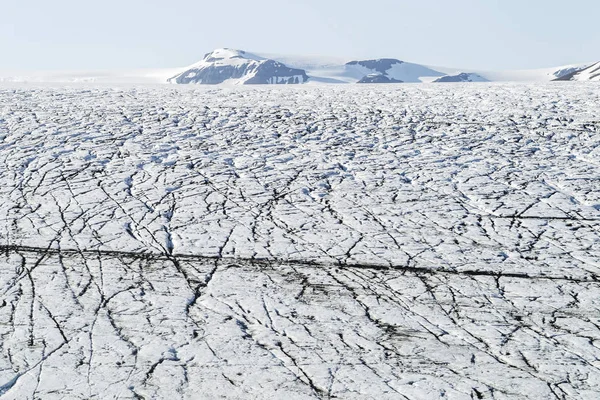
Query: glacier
x=306 y=242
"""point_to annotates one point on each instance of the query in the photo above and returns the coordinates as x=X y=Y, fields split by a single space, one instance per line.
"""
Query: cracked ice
x=316 y=242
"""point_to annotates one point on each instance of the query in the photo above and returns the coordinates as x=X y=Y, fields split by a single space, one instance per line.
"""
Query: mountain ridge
x=235 y=67
x=590 y=73
x=238 y=67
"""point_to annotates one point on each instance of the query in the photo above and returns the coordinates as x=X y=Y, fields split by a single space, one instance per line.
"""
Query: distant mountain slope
x=462 y=77
x=394 y=70
x=228 y=66
x=340 y=70
x=327 y=69
x=378 y=78
x=381 y=65
x=238 y=67
x=531 y=75
x=591 y=73
x=567 y=71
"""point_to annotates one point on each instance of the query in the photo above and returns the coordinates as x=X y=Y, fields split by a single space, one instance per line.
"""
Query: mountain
x=378 y=78
x=529 y=75
x=591 y=73
x=390 y=68
x=239 y=67
x=228 y=66
x=338 y=70
x=462 y=77
x=569 y=70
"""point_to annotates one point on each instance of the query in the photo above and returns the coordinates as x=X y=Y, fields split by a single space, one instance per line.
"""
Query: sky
x=118 y=34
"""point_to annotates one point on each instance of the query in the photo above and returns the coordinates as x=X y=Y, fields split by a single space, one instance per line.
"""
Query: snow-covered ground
x=129 y=76
x=411 y=241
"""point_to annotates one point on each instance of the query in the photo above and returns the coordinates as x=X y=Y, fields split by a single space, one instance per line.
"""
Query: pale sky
x=484 y=34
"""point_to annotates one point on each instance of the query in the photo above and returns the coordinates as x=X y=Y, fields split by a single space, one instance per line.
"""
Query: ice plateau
x=301 y=242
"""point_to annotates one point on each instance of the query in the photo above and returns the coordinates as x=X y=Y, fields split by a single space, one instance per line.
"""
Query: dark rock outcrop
x=378 y=78
x=380 y=65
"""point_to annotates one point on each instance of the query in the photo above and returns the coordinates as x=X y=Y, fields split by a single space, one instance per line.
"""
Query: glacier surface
x=413 y=242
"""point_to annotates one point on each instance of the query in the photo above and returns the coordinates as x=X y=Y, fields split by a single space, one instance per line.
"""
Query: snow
x=405 y=241
x=592 y=73
x=324 y=69
x=356 y=72
x=320 y=69
x=531 y=75
x=405 y=72
x=409 y=72
x=220 y=57
x=461 y=77
x=131 y=76
x=237 y=67
x=335 y=70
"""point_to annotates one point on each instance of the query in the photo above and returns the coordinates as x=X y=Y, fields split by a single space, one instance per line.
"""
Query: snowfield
x=359 y=242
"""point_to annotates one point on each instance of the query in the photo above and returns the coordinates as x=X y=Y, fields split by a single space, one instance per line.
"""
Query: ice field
x=313 y=242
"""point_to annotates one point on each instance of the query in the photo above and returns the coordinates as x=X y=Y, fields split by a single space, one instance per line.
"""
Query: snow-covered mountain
x=527 y=75
x=339 y=70
x=239 y=67
x=378 y=78
x=390 y=68
x=568 y=70
x=229 y=66
x=462 y=77
x=591 y=73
